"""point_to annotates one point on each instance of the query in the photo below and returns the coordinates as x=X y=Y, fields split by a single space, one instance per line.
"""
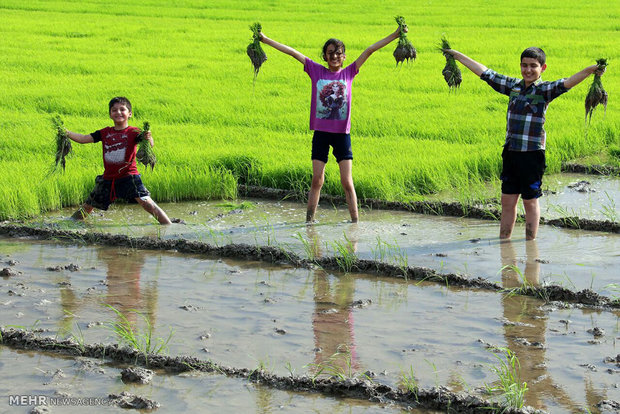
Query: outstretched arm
x=79 y=138
x=578 y=77
x=376 y=46
x=283 y=48
x=469 y=63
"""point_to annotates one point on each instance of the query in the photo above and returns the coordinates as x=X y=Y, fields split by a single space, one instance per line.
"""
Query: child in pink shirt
x=330 y=113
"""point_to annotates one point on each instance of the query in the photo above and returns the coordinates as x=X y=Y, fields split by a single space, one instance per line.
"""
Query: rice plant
x=408 y=381
x=142 y=341
x=338 y=366
x=145 y=154
x=344 y=254
x=311 y=247
x=609 y=209
x=63 y=143
x=596 y=94
x=404 y=49
x=451 y=72
x=508 y=383
x=254 y=49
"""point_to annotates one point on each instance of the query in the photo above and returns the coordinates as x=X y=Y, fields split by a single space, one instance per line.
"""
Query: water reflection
x=123 y=284
x=525 y=326
x=332 y=319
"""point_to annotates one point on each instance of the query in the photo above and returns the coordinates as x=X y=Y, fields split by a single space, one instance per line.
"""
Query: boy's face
x=119 y=113
x=531 y=69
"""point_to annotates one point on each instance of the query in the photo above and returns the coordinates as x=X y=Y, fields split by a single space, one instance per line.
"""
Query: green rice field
x=183 y=64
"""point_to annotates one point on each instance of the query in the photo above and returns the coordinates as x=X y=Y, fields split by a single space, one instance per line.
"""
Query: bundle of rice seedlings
x=254 y=50
x=145 y=153
x=451 y=72
x=596 y=94
x=404 y=49
x=63 y=143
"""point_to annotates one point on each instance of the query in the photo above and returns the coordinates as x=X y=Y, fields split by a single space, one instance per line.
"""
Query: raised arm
x=578 y=77
x=376 y=46
x=79 y=138
x=469 y=63
x=283 y=48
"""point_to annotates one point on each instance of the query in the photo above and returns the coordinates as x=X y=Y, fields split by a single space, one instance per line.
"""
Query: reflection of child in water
x=333 y=98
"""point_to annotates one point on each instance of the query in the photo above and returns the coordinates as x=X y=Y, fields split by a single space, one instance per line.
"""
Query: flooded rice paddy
x=301 y=321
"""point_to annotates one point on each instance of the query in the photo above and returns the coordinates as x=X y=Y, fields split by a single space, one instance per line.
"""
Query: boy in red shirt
x=120 y=178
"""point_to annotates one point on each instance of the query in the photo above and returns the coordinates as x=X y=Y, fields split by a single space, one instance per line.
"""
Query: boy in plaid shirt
x=524 y=150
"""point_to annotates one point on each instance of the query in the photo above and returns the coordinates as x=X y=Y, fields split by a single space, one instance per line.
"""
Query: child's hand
x=599 y=70
x=149 y=137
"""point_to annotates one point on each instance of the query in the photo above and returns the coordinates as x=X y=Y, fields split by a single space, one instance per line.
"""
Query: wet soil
x=278 y=255
x=440 y=208
x=591 y=169
x=244 y=314
x=364 y=389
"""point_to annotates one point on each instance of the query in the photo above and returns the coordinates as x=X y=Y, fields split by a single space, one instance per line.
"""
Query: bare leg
x=83 y=212
x=346 y=179
x=318 y=178
x=149 y=205
x=509 y=215
x=532 y=218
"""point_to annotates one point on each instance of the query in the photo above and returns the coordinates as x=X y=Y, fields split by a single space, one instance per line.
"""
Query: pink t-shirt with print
x=330 y=109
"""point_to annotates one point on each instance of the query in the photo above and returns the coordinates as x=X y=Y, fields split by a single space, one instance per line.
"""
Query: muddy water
x=572 y=258
x=586 y=196
x=52 y=379
x=247 y=315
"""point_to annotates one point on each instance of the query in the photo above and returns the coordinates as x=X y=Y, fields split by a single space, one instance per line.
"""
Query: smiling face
x=334 y=56
x=531 y=69
x=120 y=114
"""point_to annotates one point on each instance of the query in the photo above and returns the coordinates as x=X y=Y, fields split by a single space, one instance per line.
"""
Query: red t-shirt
x=119 y=151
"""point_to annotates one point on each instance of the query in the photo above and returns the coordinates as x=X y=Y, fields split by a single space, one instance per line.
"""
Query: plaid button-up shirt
x=525 y=118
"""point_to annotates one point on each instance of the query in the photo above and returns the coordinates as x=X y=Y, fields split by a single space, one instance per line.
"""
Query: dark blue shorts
x=341 y=144
x=522 y=173
x=106 y=191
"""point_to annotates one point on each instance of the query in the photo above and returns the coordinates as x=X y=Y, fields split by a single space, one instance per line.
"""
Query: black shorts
x=522 y=173
x=106 y=191
x=341 y=144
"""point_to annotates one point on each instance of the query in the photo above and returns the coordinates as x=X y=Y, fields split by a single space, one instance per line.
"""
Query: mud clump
x=127 y=400
x=8 y=272
x=582 y=187
x=137 y=374
x=608 y=406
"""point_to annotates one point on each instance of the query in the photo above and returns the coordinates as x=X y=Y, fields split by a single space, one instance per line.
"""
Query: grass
x=344 y=254
x=190 y=77
x=338 y=366
x=143 y=341
x=508 y=384
x=409 y=382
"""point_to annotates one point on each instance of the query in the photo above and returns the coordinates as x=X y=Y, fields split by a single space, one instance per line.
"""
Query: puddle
x=247 y=315
x=575 y=259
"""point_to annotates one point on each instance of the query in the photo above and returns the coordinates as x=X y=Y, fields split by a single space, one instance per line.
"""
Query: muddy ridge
x=436 y=208
x=590 y=169
x=277 y=255
x=435 y=398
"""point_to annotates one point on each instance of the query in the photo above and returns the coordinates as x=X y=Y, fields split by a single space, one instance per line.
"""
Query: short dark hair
x=535 y=53
x=337 y=44
x=121 y=100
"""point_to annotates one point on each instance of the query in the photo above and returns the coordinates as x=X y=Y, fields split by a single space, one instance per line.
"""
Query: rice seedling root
x=404 y=49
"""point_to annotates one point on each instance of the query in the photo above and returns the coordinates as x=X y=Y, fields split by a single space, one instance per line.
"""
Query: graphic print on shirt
x=115 y=147
x=332 y=99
